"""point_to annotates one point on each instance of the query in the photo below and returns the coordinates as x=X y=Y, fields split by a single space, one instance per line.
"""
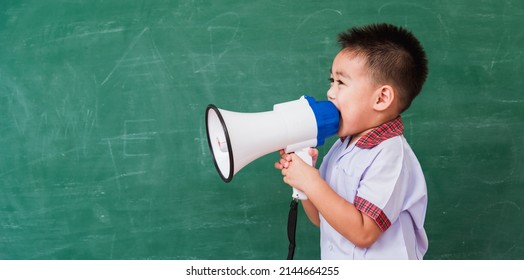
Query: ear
x=384 y=98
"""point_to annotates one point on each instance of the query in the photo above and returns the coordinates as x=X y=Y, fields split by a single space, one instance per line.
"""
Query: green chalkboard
x=103 y=152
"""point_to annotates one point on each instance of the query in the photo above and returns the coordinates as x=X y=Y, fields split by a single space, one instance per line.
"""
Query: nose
x=331 y=94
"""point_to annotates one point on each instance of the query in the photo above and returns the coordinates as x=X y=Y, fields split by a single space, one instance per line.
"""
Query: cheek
x=347 y=120
x=341 y=102
x=350 y=120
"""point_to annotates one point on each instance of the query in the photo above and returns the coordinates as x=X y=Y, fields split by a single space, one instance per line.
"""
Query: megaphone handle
x=304 y=155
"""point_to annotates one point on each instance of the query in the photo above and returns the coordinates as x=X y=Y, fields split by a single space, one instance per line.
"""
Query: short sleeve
x=383 y=188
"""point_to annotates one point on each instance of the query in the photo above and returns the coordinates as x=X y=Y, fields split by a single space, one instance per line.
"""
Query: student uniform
x=382 y=177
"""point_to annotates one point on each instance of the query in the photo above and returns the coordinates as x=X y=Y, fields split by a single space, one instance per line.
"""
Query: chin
x=342 y=134
x=345 y=131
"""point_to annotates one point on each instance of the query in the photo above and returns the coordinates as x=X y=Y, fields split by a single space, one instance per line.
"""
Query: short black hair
x=393 y=54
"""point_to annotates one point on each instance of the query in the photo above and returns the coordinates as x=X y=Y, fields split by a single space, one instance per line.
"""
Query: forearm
x=311 y=212
x=341 y=215
x=360 y=229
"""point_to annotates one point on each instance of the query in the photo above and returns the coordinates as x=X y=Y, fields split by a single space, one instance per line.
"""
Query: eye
x=339 y=82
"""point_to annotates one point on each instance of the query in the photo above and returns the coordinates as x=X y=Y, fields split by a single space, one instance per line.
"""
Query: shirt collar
x=381 y=133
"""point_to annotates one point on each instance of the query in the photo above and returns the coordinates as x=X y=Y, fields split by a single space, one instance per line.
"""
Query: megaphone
x=236 y=139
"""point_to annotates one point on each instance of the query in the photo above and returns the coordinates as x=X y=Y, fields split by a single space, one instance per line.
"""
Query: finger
x=313 y=152
x=287 y=157
x=278 y=165
x=284 y=163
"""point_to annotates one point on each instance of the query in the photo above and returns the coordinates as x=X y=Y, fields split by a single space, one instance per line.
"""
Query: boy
x=369 y=197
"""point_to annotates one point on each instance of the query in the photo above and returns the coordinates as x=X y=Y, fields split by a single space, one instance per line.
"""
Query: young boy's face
x=351 y=91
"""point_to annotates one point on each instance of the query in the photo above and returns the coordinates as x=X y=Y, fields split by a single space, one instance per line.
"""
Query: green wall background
x=103 y=152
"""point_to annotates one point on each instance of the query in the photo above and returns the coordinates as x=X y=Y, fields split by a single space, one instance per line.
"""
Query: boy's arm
x=309 y=208
x=343 y=216
x=311 y=212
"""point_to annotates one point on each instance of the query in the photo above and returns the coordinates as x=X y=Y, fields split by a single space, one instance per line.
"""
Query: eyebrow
x=343 y=74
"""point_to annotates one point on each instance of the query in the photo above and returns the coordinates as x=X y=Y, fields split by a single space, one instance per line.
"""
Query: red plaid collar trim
x=381 y=133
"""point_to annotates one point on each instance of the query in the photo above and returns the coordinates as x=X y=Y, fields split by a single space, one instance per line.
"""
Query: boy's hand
x=296 y=172
x=284 y=162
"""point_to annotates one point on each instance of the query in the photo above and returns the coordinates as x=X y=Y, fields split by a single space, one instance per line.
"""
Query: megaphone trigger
x=305 y=156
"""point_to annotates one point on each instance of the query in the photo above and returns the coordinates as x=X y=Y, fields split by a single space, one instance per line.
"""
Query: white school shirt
x=384 y=181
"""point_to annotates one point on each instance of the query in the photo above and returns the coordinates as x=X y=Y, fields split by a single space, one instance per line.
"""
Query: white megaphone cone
x=236 y=139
